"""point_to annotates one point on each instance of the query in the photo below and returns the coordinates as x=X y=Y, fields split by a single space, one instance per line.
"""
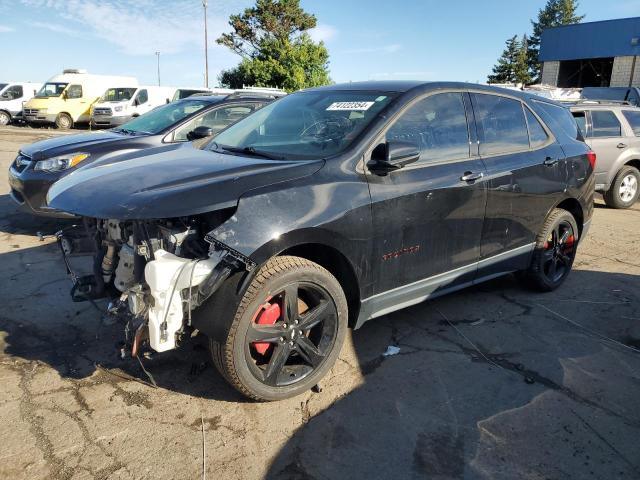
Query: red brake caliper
x=268 y=314
x=568 y=245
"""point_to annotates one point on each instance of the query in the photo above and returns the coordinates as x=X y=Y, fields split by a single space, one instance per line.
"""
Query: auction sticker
x=350 y=106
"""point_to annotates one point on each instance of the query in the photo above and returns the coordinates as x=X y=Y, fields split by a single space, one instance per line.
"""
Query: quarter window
x=633 y=117
x=501 y=124
x=604 y=123
x=581 y=121
x=438 y=125
x=537 y=134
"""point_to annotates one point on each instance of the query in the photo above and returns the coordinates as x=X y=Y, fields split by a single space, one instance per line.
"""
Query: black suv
x=42 y=163
x=326 y=209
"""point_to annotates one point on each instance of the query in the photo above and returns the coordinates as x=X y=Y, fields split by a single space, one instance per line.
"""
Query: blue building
x=594 y=54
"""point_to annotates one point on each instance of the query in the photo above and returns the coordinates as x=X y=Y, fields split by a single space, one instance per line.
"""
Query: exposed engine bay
x=155 y=271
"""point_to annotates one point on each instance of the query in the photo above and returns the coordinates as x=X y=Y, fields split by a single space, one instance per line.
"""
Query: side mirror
x=65 y=94
x=393 y=155
x=199 y=132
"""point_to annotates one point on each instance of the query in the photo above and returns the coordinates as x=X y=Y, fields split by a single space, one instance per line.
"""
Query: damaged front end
x=155 y=271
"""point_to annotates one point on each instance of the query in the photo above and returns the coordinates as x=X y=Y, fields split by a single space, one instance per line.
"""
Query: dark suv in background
x=326 y=209
x=42 y=163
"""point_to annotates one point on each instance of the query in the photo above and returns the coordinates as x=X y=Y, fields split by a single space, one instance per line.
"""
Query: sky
x=366 y=39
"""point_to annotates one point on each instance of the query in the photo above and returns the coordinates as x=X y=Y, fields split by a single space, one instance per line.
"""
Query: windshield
x=305 y=125
x=2 y=85
x=51 y=90
x=184 y=93
x=118 y=94
x=163 y=117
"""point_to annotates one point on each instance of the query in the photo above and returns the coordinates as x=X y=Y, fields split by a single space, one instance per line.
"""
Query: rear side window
x=604 y=123
x=501 y=124
x=581 y=121
x=437 y=124
x=558 y=117
x=633 y=117
x=537 y=134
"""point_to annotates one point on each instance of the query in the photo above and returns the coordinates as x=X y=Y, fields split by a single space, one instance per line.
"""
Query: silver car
x=612 y=130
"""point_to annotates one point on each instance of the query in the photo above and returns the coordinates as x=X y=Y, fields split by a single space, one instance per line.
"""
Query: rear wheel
x=623 y=192
x=555 y=250
x=287 y=331
x=64 y=121
x=5 y=118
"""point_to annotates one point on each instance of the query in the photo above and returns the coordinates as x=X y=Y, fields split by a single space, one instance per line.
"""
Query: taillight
x=591 y=156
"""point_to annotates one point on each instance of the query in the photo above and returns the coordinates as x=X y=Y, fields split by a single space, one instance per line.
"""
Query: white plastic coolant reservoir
x=161 y=275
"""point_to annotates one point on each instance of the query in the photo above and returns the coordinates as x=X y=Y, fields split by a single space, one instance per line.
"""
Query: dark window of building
x=633 y=117
x=501 y=124
x=605 y=124
x=593 y=72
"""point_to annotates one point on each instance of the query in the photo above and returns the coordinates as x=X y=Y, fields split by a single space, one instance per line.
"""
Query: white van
x=67 y=99
x=13 y=95
x=120 y=104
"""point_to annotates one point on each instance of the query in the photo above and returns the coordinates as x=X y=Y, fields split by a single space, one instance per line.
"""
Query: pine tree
x=521 y=66
x=503 y=71
x=554 y=13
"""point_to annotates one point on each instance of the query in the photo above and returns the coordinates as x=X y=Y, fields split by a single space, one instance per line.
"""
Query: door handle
x=471 y=177
x=550 y=161
x=621 y=145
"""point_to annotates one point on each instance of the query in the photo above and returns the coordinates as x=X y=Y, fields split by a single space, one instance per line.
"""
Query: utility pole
x=206 y=50
x=158 y=56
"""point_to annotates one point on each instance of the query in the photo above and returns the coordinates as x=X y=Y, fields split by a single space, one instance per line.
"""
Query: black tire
x=238 y=358
x=554 y=252
x=624 y=189
x=5 y=118
x=64 y=121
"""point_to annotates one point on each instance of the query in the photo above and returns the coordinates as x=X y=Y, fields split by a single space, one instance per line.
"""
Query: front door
x=427 y=216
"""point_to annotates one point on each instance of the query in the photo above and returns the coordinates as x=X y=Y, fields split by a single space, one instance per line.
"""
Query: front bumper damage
x=162 y=290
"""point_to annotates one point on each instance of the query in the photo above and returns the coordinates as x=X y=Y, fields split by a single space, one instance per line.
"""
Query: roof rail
x=593 y=101
x=256 y=94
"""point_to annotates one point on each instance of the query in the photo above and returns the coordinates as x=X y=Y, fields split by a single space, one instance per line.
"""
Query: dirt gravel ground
x=491 y=382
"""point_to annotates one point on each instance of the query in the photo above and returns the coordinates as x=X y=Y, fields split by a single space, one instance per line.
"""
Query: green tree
x=521 y=66
x=504 y=70
x=272 y=39
x=554 y=13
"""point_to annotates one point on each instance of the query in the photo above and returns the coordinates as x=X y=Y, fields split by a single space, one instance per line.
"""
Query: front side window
x=437 y=124
x=604 y=123
x=314 y=124
x=217 y=119
x=117 y=94
x=54 y=89
x=537 y=134
x=163 y=117
x=12 y=93
x=74 y=91
x=142 y=97
x=501 y=124
x=633 y=117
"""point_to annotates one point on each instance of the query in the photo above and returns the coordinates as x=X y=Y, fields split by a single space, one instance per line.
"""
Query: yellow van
x=67 y=99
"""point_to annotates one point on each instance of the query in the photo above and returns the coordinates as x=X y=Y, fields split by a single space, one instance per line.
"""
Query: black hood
x=84 y=142
x=169 y=181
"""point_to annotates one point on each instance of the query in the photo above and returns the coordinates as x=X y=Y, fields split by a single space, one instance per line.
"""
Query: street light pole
x=206 y=50
x=158 y=56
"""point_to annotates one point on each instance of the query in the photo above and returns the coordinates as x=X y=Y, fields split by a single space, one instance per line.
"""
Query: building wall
x=621 y=73
x=550 y=72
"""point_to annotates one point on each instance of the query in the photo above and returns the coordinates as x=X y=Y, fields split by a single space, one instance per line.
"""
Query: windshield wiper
x=248 y=150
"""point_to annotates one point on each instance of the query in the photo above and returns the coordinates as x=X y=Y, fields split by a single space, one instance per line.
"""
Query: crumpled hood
x=168 y=181
x=71 y=143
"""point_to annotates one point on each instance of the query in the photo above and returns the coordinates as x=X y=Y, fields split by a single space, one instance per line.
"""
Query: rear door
x=427 y=219
x=526 y=175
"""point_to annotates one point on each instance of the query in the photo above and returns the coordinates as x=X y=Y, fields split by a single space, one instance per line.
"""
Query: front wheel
x=554 y=252
x=287 y=331
x=64 y=121
x=624 y=188
x=5 y=118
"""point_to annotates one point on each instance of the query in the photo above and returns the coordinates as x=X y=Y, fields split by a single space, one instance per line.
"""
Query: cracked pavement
x=490 y=382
